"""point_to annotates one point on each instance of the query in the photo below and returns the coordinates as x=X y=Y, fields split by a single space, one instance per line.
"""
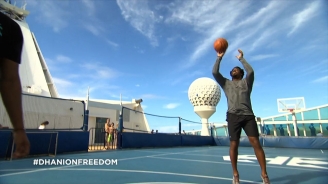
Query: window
x=100 y=122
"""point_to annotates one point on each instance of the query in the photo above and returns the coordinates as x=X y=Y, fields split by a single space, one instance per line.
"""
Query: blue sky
x=154 y=49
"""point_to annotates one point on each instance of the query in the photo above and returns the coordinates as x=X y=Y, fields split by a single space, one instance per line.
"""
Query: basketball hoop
x=291 y=105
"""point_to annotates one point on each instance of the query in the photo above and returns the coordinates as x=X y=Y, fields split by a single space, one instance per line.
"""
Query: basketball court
x=172 y=165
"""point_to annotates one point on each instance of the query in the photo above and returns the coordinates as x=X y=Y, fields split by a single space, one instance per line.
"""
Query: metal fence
x=98 y=140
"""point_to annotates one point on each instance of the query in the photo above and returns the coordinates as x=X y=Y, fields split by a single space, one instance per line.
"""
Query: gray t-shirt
x=238 y=92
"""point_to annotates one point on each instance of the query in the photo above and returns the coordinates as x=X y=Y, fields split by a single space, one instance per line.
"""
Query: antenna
x=87 y=106
x=24 y=5
x=121 y=99
x=12 y=10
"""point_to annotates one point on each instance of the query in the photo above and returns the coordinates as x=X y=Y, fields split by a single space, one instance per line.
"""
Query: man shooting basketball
x=11 y=42
x=240 y=114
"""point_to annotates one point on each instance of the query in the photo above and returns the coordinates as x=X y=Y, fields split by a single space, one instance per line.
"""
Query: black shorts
x=11 y=39
x=237 y=122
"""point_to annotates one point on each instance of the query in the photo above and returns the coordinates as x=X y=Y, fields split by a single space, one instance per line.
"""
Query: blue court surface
x=170 y=165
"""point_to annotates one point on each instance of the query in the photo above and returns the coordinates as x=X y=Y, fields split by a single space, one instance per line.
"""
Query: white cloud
x=260 y=23
x=78 y=93
x=303 y=16
x=105 y=73
x=138 y=14
x=64 y=59
x=316 y=67
x=52 y=65
x=262 y=57
x=112 y=43
x=321 y=80
x=150 y=96
x=94 y=25
x=90 y=6
x=118 y=96
x=73 y=76
x=89 y=19
x=257 y=83
x=94 y=28
x=193 y=74
x=54 y=13
x=139 y=50
x=235 y=27
x=199 y=16
x=171 y=106
x=267 y=109
x=266 y=36
x=100 y=71
x=62 y=82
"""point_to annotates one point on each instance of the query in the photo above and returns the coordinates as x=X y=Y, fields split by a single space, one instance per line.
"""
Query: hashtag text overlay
x=75 y=162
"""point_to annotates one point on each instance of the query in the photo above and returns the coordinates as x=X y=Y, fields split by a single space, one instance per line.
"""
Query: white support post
x=288 y=130
x=214 y=129
x=295 y=124
x=260 y=128
x=274 y=130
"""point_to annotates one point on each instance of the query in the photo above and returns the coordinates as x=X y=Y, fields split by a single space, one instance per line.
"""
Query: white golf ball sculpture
x=204 y=94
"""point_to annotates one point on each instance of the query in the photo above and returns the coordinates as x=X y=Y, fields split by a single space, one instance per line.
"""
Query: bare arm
x=11 y=93
x=216 y=73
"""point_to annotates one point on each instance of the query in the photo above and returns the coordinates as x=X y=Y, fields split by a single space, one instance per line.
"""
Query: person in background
x=111 y=135
x=281 y=130
x=43 y=125
x=312 y=129
x=106 y=128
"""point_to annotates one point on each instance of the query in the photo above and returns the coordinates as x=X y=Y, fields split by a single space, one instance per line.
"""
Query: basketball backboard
x=288 y=104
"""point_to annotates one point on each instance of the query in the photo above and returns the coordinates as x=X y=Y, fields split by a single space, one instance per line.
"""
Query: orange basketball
x=221 y=45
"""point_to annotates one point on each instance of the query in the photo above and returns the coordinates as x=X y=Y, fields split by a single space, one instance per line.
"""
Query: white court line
x=185 y=153
x=7 y=170
x=67 y=156
x=221 y=155
x=161 y=183
x=164 y=154
x=32 y=171
x=45 y=169
x=156 y=172
x=205 y=155
x=228 y=163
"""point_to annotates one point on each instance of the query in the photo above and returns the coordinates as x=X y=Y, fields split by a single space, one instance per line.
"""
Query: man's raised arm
x=248 y=68
x=216 y=73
